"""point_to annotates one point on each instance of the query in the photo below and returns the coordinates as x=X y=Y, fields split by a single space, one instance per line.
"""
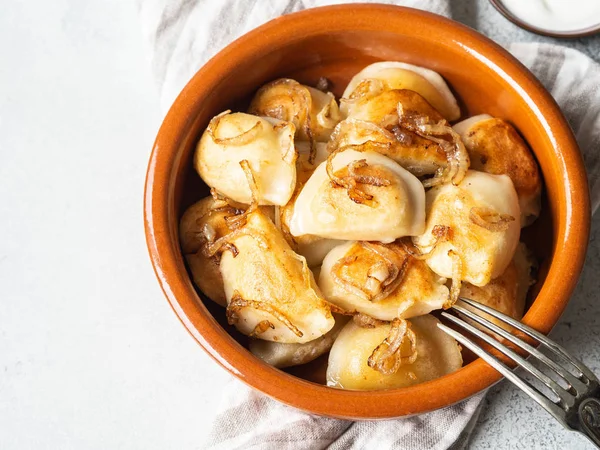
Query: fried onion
x=237 y=303
x=387 y=356
x=449 y=141
x=489 y=219
x=350 y=182
x=238 y=221
x=457 y=268
x=294 y=106
x=241 y=139
x=392 y=268
x=396 y=266
x=366 y=89
x=441 y=233
x=261 y=327
x=365 y=321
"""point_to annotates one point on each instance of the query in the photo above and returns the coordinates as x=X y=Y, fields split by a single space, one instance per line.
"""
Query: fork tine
x=525 y=386
x=575 y=385
x=584 y=374
x=563 y=396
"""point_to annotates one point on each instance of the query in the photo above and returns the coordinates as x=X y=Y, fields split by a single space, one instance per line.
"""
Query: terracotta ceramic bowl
x=336 y=42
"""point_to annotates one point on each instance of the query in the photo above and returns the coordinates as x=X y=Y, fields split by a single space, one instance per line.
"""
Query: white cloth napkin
x=182 y=35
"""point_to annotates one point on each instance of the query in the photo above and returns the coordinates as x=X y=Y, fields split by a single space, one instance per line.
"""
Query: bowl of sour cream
x=557 y=18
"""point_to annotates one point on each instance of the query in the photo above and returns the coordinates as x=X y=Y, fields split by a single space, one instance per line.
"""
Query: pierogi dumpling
x=313 y=112
x=495 y=147
x=203 y=220
x=381 y=281
x=356 y=349
x=382 y=107
x=473 y=227
x=266 y=143
x=416 y=154
x=313 y=248
x=365 y=196
x=508 y=292
x=281 y=355
x=398 y=75
x=270 y=291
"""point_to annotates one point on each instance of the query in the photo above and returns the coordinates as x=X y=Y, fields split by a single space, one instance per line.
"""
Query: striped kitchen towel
x=182 y=35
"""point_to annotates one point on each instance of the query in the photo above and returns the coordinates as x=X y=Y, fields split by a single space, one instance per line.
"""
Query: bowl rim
x=567 y=262
x=567 y=34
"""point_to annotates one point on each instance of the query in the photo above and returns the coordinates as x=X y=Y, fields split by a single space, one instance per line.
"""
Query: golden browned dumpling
x=360 y=196
x=314 y=113
x=390 y=356
x=495 y=147
x=270 y=291
x=506 y=293
x=472 y=229
x=418 y=155
x=266 y=143
x=313 y=248
x=382 y=108
x=281 y=355
x=381 y=281
x=397 y=75
x=202 y=221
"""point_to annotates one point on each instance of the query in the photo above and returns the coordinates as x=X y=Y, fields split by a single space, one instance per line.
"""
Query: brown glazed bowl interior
x=336 y=42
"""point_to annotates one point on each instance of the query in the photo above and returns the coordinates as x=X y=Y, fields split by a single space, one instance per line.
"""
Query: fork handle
x=589 y=416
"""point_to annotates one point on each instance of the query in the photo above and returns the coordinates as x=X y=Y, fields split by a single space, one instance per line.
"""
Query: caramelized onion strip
x=241 y=139
x=392 y=264
x=449 y=140
x=365 y=321
x=224 y=243
x=457 y=269
x=489 y=219
x=352 y=180
x=293 y=106
x=441 y=233
x=349 y=285
x=261 y=327
x=366 y=89
x=237 y=221
x=237 y=303
x=387 y=356
x=396 y=265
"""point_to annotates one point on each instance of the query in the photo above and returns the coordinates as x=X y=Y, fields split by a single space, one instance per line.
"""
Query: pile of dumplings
x=339 y=227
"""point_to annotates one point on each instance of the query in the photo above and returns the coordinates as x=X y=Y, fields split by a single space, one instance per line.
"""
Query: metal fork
x=576 y=390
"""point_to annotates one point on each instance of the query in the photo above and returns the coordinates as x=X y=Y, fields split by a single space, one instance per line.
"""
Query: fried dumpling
x=398 y=75
x=381 y=281
x=390 y=356
x=495 y=147
x=472 y=229
x=382 y=107
x=313 y=248
x=266 y=143
x=508 y=292
x=313 y=112
x=270 y=291
x=202 y=221
x=360 y=196
x=281 y=355
x=418 y=155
